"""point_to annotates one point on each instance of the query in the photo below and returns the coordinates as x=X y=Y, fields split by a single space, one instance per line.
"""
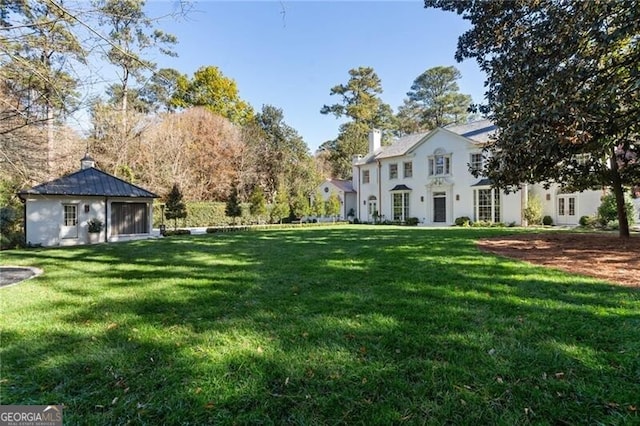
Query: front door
x=69 y=228
x=567 y=210
x=439 y=207
x=372 y=212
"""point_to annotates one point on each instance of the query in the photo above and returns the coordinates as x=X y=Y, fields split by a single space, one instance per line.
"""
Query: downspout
x=24 y=218
x=106 y=219
x=359 y=193
x=379 y=189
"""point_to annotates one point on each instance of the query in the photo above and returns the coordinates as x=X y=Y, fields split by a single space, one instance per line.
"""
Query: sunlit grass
x=344 y=325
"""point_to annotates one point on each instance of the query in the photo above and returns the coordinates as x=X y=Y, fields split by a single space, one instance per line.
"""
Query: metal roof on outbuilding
x=89 y=182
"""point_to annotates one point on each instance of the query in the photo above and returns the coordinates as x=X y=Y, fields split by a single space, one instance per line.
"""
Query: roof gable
x=89 y=182
x=476 y=132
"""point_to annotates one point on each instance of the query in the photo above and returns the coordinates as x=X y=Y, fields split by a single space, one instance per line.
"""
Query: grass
x=344 y=325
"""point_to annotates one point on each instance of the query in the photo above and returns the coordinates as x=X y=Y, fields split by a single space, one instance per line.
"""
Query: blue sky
x=290 y=53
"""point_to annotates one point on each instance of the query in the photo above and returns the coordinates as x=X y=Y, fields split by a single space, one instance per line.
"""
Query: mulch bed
x=604 y=256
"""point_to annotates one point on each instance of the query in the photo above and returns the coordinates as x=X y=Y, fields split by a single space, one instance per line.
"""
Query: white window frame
x=403 y=214
x=476 y=161
x=393 y=171
x=73 y=216
x=439 y=164
x=366 y=176
x=494 y=205
x=407 y=169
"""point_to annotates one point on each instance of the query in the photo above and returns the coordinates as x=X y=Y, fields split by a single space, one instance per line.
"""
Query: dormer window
x=439 y=163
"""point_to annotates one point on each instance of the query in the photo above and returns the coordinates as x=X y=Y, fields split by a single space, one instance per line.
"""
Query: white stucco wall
x=44 y=220
x=586 y=203
x=45 y=217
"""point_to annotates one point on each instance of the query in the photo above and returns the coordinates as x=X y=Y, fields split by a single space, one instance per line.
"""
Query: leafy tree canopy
x=562 y=89
x=211 y=89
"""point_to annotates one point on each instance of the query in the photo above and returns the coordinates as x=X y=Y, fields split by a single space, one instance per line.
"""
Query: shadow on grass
x=319 y=326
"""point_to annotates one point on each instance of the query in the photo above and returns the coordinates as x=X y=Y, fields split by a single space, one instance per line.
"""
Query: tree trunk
x=616 y=186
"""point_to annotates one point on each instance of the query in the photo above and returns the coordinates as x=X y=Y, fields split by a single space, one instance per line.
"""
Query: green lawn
x=327 y=325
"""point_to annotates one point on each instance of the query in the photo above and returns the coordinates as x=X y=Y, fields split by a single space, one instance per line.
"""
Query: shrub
x=11 y=235
x=608 y=210
x=171 y=232
x=412 y=221
x=588 y=221
x=481 y=223
x=463 y=221
x=533 y=212
x=547 y=220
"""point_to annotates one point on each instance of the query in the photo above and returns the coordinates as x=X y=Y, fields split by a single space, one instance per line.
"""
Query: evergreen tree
x=318 y=205
x=434 y=101
x=361 y=103
x=280 y=207
x=300 y=205
x=333 y=205
x=233 y=208
x=175 y=208
x=258 y=203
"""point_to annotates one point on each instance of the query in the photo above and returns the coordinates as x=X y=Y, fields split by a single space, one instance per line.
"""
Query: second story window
x=440 y=164
x=365 y=176
x=408 y=169
x=475 y=163
x=393 y=171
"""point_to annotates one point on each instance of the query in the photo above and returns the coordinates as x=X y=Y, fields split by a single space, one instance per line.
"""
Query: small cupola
x=87 y=162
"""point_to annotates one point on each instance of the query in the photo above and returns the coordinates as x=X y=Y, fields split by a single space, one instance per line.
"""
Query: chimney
x=87 y=162
x=375 y=140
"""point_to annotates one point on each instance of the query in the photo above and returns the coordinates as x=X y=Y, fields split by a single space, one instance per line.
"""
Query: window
x=487 y=205
x=476 y=163
x=365 y=176
x=582 y=159
x=561 y=206
x=408 y=169
x=572 y=206
x=400 y=206
x=440 y=164
x=393 y=171
x=70 y=215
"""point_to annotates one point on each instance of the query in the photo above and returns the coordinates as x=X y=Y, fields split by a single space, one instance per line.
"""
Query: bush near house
x=412 y=221
x=547 y=220
x=608 y=212
x=588 y=221
x=533 y=212
x=463 y=221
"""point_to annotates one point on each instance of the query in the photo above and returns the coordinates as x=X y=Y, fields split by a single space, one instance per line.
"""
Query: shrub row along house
x=428 y=176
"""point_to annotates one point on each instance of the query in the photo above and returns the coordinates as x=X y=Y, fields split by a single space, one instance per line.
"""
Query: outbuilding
x=62 y=212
